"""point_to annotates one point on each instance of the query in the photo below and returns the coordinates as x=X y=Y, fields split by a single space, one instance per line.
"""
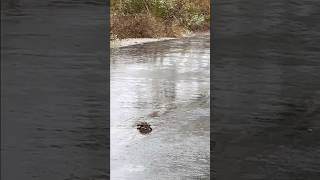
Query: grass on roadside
x=158 y=18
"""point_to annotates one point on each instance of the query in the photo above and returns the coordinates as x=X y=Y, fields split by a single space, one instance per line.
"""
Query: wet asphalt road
x=53 y=90
x=266 y=90
x=167 y=85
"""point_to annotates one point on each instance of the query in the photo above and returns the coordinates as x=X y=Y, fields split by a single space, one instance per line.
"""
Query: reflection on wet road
x=53 y=90
x=167 y=85
x=266 y=90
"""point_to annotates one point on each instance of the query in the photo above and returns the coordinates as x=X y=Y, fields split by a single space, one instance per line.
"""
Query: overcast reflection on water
x=172 y=79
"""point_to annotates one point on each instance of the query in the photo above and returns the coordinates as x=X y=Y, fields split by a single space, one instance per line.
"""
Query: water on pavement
x=167 y=85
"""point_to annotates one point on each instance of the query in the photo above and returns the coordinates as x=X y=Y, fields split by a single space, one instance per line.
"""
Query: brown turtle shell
x=144 y=127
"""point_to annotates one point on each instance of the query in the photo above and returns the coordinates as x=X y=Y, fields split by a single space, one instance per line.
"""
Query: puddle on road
x=165 y=84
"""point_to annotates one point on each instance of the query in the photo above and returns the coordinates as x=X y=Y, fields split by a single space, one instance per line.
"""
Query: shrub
x=154 y=18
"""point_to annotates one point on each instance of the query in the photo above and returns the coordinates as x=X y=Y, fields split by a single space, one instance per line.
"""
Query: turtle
x=144 y=128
